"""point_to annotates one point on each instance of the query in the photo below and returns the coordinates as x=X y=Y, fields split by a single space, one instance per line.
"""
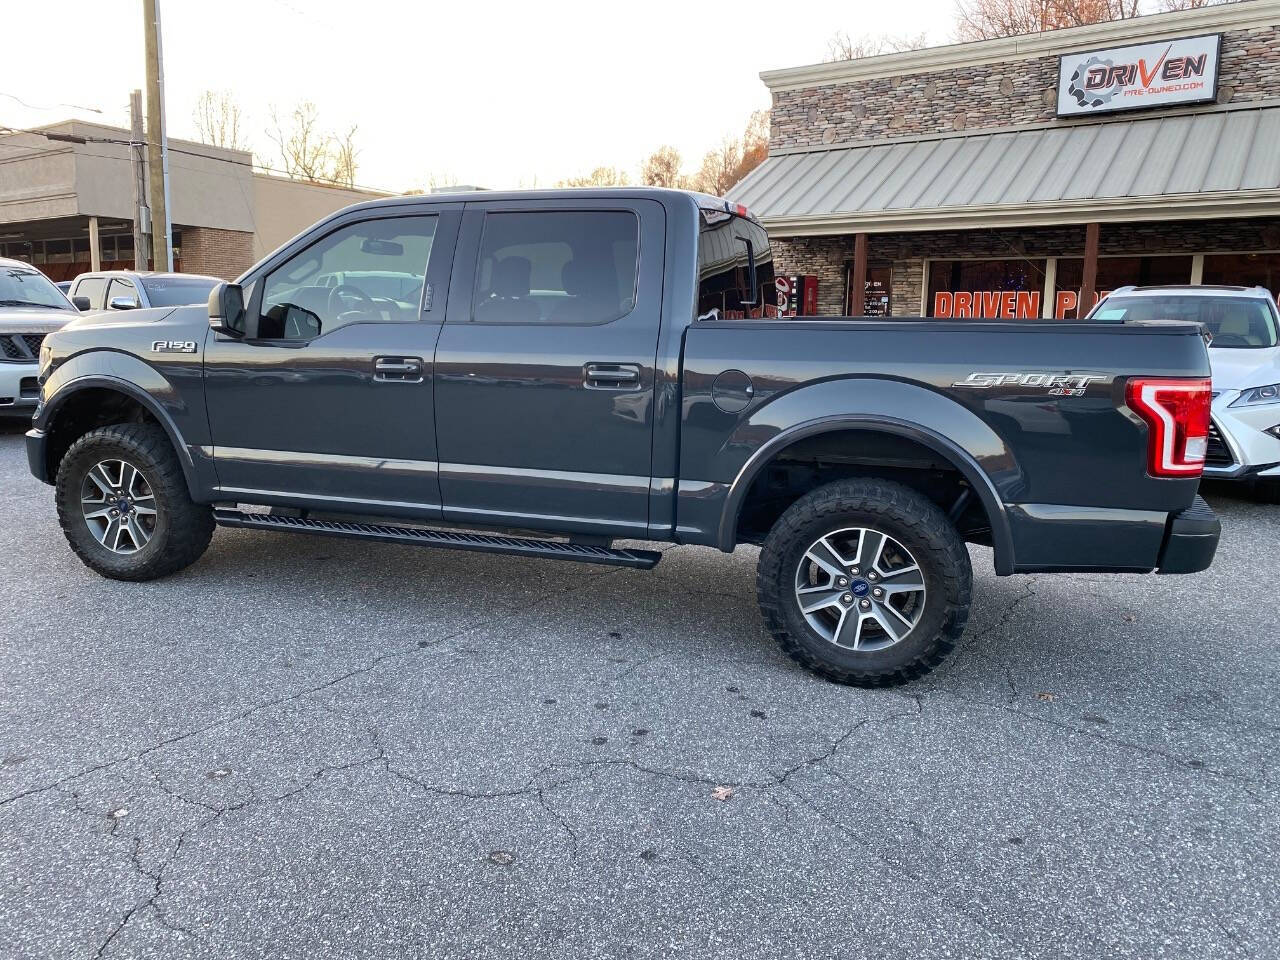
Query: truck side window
x=371 y=271
x=122 y=288
x=557 y=267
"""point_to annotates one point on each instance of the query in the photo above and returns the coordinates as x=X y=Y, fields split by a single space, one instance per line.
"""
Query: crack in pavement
x=157 y=877
x=247 y=712
x=1139 y=748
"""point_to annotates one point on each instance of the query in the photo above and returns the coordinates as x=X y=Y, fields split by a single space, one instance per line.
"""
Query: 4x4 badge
x=173 y=346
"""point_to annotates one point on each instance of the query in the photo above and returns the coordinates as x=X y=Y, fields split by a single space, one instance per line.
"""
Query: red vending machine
x=797 y=295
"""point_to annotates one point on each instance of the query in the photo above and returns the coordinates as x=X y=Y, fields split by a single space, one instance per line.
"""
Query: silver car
x=31 y=306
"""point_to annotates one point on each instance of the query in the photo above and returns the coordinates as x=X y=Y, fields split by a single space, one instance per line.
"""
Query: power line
x=56 y=106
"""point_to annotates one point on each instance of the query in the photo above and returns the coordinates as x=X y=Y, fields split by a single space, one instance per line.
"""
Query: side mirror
x=81 y=303
x=122 y=303
x=226 y=309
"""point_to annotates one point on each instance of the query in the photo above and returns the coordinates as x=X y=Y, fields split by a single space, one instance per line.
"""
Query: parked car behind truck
x=599 y=365
x=31 y=307
x=134 y=290
x=1243 y=327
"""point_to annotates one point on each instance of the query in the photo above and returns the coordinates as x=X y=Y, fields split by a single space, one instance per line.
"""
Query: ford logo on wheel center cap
x=860 y=588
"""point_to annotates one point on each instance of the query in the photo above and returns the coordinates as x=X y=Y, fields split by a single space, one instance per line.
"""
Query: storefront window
x=1243 y=270
x=876 y=302
x=986 y=289
x=1114 y=272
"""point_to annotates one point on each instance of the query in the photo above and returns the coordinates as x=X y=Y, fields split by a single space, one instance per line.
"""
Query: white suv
x=30 y=307
x=1244 y=353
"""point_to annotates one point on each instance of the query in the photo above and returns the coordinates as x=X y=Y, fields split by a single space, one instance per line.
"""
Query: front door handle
x=397 y=369
x=611 y=376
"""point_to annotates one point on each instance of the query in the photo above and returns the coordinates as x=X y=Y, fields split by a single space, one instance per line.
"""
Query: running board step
x=448 y=539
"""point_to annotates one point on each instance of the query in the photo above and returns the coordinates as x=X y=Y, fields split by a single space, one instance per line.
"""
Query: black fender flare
x=958 y=457
x=49 y=414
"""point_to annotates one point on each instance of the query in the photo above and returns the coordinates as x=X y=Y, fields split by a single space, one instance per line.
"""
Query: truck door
x=327 y=400
x=545 y=365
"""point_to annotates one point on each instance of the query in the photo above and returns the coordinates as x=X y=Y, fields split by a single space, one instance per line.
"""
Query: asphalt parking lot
x=309 y=748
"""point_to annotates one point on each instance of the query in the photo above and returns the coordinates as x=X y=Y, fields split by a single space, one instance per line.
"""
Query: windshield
x=28 y=287
x=177 y=291
x=1232 y=322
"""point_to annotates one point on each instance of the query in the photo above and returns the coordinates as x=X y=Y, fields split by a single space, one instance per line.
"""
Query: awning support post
x=858 y=281
x=1089 y=285
x=95 y=246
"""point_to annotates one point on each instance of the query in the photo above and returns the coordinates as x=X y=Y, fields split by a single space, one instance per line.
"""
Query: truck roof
x=148 y=275
x=703 y=200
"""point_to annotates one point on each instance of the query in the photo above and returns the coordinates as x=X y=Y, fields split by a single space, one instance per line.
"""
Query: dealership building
x=67 y=204
x=1021 y=177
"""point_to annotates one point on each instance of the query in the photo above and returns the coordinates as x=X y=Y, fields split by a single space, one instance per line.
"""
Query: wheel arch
x=78 y=395
x=945 y=448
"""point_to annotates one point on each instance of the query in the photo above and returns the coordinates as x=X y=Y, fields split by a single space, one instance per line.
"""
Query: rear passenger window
x=557 y=267
x=731 y=284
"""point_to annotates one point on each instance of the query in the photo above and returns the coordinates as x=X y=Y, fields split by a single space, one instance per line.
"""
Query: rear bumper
x=1056 y=538
x=1190 y=540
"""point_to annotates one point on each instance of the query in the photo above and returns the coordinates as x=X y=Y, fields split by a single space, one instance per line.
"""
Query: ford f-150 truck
x=546 y=373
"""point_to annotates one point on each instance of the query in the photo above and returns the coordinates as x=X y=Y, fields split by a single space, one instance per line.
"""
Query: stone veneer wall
x=989 y=95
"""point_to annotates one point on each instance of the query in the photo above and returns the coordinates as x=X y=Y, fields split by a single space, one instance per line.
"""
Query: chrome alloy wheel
x=860 y=589
x=119 y=506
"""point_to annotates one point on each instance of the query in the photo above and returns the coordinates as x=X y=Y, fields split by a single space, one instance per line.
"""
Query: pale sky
x=492 y=93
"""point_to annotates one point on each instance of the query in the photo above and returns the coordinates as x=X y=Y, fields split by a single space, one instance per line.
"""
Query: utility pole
x=138 y=160
x=157 y=140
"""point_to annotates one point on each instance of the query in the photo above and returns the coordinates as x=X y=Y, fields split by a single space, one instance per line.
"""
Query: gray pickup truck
x=546 y=373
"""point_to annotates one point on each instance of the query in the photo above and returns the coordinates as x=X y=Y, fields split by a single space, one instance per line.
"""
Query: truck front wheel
x=865 y=582
x=124 y=507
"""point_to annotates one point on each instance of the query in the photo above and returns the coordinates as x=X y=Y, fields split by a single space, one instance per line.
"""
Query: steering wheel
x=338 y=307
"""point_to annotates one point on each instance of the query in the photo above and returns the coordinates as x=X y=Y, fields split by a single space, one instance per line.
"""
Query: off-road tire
x=183 y=529
x=907 y=517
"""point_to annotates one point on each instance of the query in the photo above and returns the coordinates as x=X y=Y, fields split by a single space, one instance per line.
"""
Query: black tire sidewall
x=80 y=459
x=906 y=517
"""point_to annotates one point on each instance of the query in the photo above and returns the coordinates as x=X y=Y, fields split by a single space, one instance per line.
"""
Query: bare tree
x=662 y=168
x=441 y=180
x=1170 y=5
x=842 y=46
x=728 y=163
x=720 y=167
x=342 y=168
x=755 y=142
x=309 y=153
x=217 y=117
x=599 y=177
x=987 y=19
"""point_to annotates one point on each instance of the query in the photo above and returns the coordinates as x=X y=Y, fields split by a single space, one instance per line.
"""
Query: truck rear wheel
x=865 y=582
x=124 y=507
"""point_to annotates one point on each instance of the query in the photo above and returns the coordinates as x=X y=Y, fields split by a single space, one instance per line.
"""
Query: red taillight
x=1177 y=417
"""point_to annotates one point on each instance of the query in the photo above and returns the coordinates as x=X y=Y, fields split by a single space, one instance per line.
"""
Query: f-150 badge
x=1056 y=384
x=173 y=346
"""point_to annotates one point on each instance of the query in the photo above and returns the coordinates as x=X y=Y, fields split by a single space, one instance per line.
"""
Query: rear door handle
x=397 y=369
x=611 y=376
